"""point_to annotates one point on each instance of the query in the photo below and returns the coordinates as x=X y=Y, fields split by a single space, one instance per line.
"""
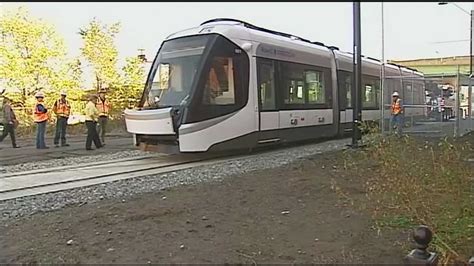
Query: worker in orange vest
x=62 y=109
x=103 y=105
x=40 y=117
x=397 y=113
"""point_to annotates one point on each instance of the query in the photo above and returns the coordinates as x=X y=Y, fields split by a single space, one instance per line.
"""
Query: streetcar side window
x=304 y=87
x=348 y=89
x=315 y=86
x=370 y=92
x=293 y=82
x=407 y=92
x=345 y=88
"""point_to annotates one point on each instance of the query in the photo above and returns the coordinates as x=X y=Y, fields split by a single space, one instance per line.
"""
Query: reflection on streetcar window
x=302 y=85
x=219 y=88
x=172 y=82
x=369 y=96
x=174 y=71
x=348 y=88
x=370 y=92
x=314 y=83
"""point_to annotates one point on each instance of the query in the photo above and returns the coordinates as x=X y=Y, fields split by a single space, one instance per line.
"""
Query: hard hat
x=63 y=92
x=39 y=94
x=395 y=94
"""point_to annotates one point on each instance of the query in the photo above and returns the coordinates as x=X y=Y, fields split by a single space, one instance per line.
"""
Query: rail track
x=27 y=183
x=46 y=180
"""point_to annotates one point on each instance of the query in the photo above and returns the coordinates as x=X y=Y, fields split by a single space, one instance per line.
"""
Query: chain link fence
x=433 y=105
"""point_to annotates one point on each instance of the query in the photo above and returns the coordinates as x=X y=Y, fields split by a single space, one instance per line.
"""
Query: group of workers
x=96 y=112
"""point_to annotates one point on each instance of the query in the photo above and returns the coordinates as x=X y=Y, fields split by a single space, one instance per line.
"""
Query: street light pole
x=470 y=48
x=357 y=82
x=469 y=93
x=382 y=80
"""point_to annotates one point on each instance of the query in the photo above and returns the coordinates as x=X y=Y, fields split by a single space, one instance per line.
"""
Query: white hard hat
x=63 y=92
x=395 y=94
x=39 y=94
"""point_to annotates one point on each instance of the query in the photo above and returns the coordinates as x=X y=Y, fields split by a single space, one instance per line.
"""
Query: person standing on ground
x=40 y=117
x=91 y=123
x=62 y=109
x=397 y=113
x=103 y=106
x=10 y=122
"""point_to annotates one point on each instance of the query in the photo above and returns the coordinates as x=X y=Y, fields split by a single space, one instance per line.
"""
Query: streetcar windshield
x=174 y=71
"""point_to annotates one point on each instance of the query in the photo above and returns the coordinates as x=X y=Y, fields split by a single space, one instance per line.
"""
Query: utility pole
x=357 y=82
x=382 y=80
x=469 y=93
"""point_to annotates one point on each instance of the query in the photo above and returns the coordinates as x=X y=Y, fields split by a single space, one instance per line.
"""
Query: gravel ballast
x=72 y=161
x=124 y=189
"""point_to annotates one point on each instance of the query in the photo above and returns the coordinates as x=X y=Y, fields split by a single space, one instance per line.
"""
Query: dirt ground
x=290 y=214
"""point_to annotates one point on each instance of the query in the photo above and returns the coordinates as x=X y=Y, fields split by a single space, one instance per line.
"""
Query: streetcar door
x=269 y=118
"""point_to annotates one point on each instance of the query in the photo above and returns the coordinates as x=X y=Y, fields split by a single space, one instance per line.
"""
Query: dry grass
x=417 y=181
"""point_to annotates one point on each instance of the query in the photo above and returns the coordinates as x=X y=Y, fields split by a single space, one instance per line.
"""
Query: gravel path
x=71 y=160
x=123 y=189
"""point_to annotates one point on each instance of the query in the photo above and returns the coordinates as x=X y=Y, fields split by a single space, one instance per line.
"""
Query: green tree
x=127 y=95
x=100 y=51
x=69 y=78
x=33 y=57
x=31 y=54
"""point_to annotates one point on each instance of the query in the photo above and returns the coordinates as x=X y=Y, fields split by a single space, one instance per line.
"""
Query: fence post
x=422 y=236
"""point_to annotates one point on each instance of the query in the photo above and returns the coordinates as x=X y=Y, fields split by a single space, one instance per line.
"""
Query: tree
x=133 y=79
x=69 y=78
x=99 y=49
x=31 y=54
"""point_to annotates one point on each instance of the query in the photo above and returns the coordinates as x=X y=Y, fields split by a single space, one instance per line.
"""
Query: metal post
x=469 y=103
x=469 y=106
x=420 y=255
x=456 y=104
x=470 y=50
x=413 y=100
x=357 y=61
x=382 y=80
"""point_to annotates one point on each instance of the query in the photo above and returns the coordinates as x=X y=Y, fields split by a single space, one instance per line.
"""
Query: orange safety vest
x=37 y=116
x=397 y=107
x=62 y=108
x=103 y=107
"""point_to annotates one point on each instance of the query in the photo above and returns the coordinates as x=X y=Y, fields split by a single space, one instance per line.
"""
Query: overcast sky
x=412 y=30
